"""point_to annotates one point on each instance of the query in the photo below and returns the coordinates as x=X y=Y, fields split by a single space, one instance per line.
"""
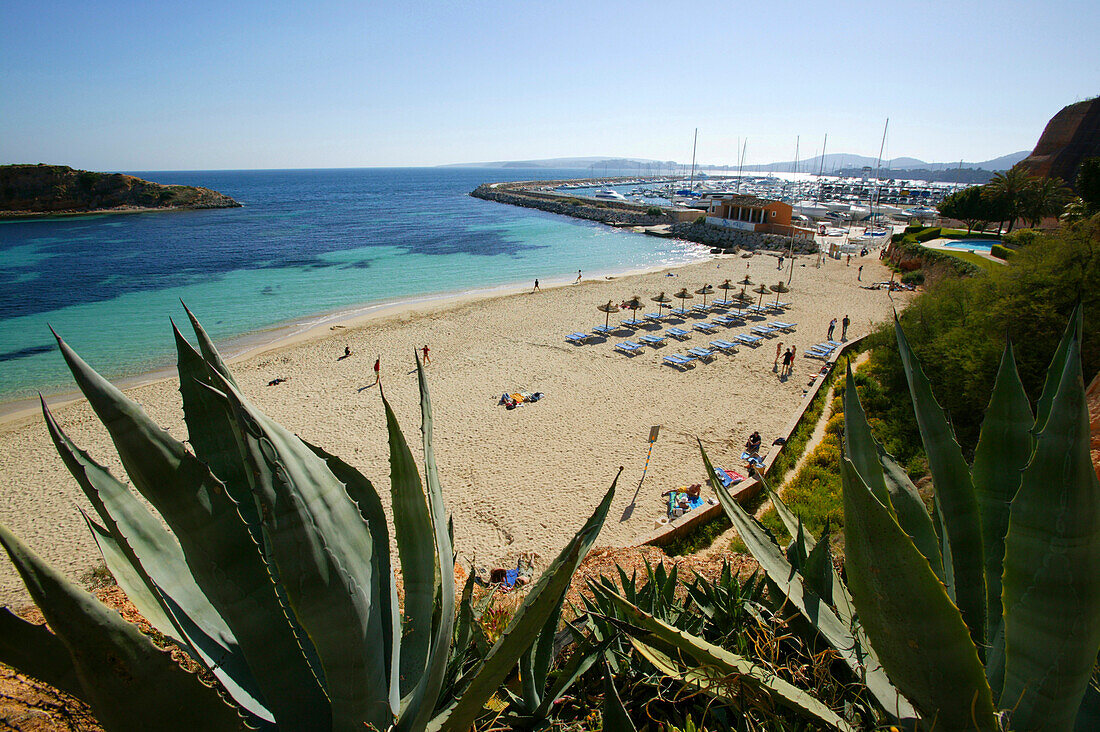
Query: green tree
x=1088 y=184
x=1008 y=193
x=967 y=206
x=1045 y=197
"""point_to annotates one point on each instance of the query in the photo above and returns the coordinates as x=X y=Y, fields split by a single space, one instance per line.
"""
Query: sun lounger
x=724 y=303
x=704 y=309
x=629 y=347
x=782 y=305
x=724 y=346
x=578 y=339
x=604 y=330
x=680 y=362
x=819 y=355
x=654 y=317
x=756 y=311
x=725 y=320
x=764 y=330
x=785 y=327
x=679 y=333
x=749 y=340
x=701 y=353
x=632 y=323
x=682 y=312
x=652 y=340
x=705 y=327
x=771 y=307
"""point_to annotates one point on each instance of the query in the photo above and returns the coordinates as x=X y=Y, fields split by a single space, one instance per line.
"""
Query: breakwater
x=625 y=213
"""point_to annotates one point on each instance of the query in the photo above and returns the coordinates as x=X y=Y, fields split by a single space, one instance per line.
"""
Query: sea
x=307 y=247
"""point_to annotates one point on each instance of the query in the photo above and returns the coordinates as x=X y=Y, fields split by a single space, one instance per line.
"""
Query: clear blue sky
x=204 y=85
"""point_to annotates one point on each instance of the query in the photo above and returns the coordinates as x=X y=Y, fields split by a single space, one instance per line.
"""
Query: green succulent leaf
x=219 y=550
x=615 y=718
x=206 y=345
x=1074 y=329
x=35 y=651
x=1051 y=584
x=954 y=490
x=139 y=686
x=928 y=654
x=1003 y=450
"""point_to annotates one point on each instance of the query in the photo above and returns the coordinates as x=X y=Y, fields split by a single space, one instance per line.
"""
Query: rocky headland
x=53 y=190
x=1070 y=137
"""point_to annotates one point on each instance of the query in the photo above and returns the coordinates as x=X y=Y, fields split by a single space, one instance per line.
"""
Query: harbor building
x=749 y=213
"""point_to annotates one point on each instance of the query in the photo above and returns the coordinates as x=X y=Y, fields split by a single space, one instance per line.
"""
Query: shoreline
x=288 y=334
x=8 y=216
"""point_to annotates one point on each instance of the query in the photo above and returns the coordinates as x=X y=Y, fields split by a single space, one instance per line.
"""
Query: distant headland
x=58 y=190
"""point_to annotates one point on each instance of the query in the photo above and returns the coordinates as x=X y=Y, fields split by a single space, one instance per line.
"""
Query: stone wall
x=720 y=237
x=614 y=213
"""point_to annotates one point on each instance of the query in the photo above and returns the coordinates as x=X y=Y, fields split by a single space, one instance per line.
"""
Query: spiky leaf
x=35 y=651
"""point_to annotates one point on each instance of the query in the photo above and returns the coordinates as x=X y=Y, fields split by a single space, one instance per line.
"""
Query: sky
x=319 y=84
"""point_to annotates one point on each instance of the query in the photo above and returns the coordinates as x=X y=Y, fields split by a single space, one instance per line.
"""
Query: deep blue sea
x=307 y=244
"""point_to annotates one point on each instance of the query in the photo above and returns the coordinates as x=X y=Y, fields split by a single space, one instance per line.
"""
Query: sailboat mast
x=878 y=170
x=824 y=145
x=741 y=165
x=691 y=181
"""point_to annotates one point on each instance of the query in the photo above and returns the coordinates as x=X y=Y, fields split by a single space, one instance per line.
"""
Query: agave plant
x=275 y=575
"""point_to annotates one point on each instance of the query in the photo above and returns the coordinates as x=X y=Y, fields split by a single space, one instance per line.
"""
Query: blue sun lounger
x=701 y=353
x=782 y=305
x=704 y=309
x=578 y=339
x=749 y=340
x=603 y=330
x=785 y=327
x=652 y=340
x=681 y=362
x=763 y=330
x=705 y=327
x=679 y=333
x=724 y=346
x=682 y=312
x=757 y=311
x=725 y=320
x=634 y=323
x=629 y=347
x=654 y=317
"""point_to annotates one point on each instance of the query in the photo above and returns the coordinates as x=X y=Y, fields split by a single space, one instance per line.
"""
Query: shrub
x=916 y=277
x=928 y=234
x=654 y=211
x=1000 y=251
x=701 y=219
x=1020 y=238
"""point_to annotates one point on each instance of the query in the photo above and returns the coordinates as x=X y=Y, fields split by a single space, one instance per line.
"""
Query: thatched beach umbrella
x=746 y=280
x=683 y=295
x=762 y=290
x=634 y=305
x=661 y=299
x=704 y=291
x=608 y=308
x=779 y=288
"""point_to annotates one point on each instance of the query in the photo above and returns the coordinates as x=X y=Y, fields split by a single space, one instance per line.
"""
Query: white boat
x=813 y=209
x=607 y=194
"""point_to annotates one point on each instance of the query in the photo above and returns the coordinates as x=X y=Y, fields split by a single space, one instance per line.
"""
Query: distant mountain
x=832 y=162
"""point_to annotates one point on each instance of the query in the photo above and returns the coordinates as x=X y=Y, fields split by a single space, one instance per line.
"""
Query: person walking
x=787 y=360
x=378 y=370
x=536 y=287
x=778 y=350
x=578 y=276
x=832 y=327
x=844 y=328
x=780 y=265
x=794 y=352
x=859 y=275
x=426 y=358
x=848 y=262
x=347 y=351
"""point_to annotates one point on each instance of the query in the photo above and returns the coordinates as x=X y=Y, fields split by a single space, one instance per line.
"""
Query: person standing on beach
x=859 y=276
x=848 y=262
x=780 y=265
x=347 y=351
x=536 y=287
x=578 y=276
x=788 y=359
x=378 y=370
x=794 y=352
x=427 y=359
x=778 y=350
x=844 y=328
x=832 y=327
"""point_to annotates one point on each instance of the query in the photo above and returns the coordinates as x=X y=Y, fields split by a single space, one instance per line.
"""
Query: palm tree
x=1010 y=189
x=1046 y=197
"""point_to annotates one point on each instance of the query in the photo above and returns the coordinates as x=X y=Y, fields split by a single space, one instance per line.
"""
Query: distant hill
x=833 y=162
x=45 y=190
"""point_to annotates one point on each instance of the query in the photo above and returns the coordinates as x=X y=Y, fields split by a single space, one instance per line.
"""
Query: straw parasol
x=608 y=308
x=704 y=291
x=746 y=280
x=661 y=299
x=762 y=290
x=634 y=304
x=779 y=288
x=683 y=295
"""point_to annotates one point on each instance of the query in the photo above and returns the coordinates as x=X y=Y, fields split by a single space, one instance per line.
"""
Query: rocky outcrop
x=39 y=190
x=613 y=212
x=725 y=239
x=1071 y=136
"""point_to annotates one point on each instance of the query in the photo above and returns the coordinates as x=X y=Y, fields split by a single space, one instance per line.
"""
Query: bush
x=701 y=220
x=928 y=234
x=916 y=277
x=915 y=228
x=1000 y=251
x=654 y=211
x=1020 y=238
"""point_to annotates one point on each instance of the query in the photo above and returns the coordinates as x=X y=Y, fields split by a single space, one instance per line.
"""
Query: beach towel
x=728 y=478
x=758 y=462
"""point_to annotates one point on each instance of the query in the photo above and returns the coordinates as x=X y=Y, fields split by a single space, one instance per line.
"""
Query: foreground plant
x=275 y=576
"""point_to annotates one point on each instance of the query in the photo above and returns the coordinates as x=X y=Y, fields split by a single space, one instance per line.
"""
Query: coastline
x=516 y=481
x=6 y=216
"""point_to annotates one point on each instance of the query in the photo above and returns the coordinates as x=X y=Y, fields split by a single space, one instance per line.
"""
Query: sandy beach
x=516 y=481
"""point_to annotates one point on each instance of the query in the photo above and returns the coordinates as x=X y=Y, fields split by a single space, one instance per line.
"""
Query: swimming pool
x=978 y=245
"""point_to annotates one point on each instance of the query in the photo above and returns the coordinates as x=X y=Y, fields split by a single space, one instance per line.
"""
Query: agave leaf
x=910 y=511
x=841 y=636
x=955 y=491
x=209 y=352
x=615 y=718
x=540 y=602
x=1074 y=328
x=35 y=651
x=1088 y=715
x=582 y=659
x=1051 y=584
x=711 y=667
x=218 y=547
x=320 y=545
x=818 y=569
x=423 y=701
x=140 y=687
x=859 y=443
x=999 y=460
x=928 y=654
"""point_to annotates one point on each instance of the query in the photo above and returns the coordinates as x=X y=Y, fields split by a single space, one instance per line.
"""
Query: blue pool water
x=978 y=245
x=307 y=243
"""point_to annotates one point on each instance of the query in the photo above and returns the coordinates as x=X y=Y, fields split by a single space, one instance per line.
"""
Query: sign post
x=653 y=432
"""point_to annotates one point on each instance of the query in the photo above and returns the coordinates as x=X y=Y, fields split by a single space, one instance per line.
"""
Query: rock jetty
x=51 y=190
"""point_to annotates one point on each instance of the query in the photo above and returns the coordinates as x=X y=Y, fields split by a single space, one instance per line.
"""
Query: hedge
x=1000 y=251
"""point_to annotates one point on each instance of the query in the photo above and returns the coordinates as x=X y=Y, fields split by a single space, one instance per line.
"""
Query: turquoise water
x=978 y=245
x=306 y=245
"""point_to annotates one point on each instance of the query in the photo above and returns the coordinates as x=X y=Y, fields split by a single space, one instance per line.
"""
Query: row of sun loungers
x=821 y=351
